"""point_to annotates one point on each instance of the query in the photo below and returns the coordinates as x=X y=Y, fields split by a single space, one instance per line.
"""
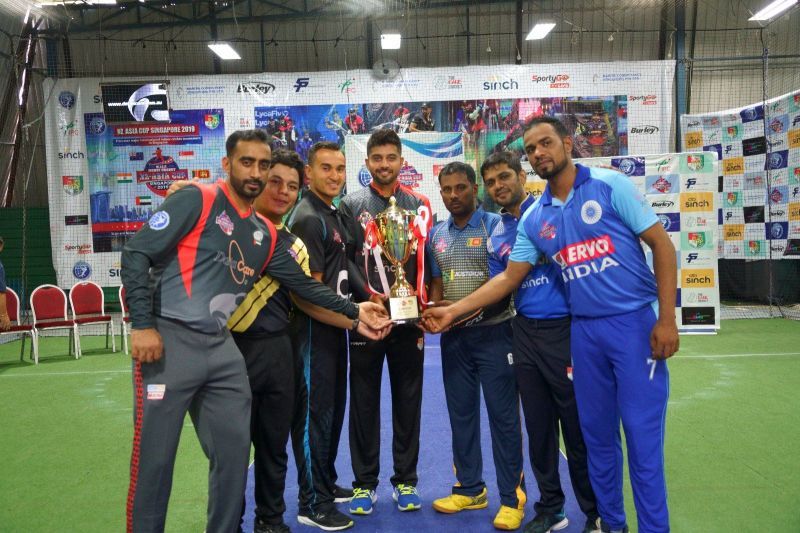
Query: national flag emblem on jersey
x=474 y=242
x=696 y=240
x=144 y=200
x=211 y=121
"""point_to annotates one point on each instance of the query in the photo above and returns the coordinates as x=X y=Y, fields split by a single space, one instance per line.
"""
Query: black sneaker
x=326 y=519
x=592 y=525
x=341 y=494
x=605 y=528
x=547 y=522
x=263 y=527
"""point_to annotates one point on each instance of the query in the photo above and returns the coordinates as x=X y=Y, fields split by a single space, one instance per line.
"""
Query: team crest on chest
x=440 y=245
x=225 y=223
x=548 y=231
x=591 y=212
x=364 y=218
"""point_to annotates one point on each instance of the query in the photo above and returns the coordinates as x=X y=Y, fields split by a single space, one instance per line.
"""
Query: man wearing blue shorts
x=623 y=317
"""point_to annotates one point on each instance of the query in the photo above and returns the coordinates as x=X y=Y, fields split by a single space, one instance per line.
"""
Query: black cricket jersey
x=359 y=209
x=266 y=308
x=322 y=230
x=198 y=256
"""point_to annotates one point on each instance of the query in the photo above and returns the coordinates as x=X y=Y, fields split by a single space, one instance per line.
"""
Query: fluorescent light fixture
x=774 y=8
x=224 y=50
x=391 y=41
x=540 y=31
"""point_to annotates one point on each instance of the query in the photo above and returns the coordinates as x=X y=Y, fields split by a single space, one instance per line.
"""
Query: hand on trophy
x=438 y=317
x=374 y=315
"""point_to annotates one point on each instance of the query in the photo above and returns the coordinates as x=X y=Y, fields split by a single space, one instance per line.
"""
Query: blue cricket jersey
x=541 y=294
x=594 y=237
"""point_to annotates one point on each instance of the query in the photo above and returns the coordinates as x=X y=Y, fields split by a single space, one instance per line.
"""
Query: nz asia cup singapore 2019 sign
x=113 y=148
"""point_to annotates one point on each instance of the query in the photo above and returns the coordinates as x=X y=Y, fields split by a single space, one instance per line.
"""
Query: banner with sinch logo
x=681 y=188
x=107 y=177
x=759 y=180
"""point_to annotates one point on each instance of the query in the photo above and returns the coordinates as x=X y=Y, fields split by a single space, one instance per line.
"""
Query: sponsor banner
x=759 y=149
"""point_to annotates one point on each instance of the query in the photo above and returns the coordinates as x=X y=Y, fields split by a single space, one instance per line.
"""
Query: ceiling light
x=773 y=9
x=391 y=41
x=224 y=50
x=540 y=31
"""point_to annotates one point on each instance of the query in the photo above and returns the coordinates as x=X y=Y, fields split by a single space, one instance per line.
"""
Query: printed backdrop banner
x=105 y=180
x=681 y=189
x=759 y=179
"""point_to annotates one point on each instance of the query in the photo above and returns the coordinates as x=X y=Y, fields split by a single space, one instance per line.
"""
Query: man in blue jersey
x=542 y=361
x=623 y=317
x=476 y=357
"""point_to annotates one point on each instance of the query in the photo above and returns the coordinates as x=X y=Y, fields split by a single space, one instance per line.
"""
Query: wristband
x=356 y=322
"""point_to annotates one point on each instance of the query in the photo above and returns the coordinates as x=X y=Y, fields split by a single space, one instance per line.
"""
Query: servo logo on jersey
x=591 y=256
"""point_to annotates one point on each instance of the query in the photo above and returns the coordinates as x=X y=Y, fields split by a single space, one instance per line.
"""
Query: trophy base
x=404 y=310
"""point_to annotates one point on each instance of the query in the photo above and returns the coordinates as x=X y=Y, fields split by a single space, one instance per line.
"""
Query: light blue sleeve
x=433 y=266
x=524 y=248
x=629 y=203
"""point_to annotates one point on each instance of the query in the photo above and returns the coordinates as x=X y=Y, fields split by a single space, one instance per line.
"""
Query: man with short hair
x=5 y=323
x=589 y=221
x=200 y=252
x=322 y=347
x=423 y=121
x=354 y=122
x=476 y=357
x=402 y=349
x=542 y=362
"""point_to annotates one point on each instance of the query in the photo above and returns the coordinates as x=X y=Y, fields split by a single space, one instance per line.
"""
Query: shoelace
x=406 y=490
x=361 y=493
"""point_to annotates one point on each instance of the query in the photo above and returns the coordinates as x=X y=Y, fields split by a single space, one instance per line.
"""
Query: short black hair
x=382 y=137
x=500 y=158
x=557 y=125
x=321 y=145
x=290 y=159
x=246 y=136
x=457 y=167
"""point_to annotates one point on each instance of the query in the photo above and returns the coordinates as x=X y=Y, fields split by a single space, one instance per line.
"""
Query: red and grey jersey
x=360 y=208
x=198 y=256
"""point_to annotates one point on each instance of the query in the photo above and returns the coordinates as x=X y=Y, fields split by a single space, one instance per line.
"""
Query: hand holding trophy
x=399 y=233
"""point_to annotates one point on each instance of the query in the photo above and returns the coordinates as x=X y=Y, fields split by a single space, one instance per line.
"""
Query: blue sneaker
x=407 y=497
x=362 y=501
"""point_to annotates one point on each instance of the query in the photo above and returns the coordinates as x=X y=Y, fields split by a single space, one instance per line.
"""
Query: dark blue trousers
x=613 y=381
x=475 y=358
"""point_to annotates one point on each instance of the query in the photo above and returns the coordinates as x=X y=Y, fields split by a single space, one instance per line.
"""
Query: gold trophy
x=395 y=233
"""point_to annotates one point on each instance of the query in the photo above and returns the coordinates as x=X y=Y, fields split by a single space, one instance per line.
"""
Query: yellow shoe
x=508 y=518
x=458 y=502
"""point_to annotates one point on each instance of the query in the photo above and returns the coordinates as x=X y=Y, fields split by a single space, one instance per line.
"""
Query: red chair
x=49 y=308
x=12 y=305
x=125 y=320
x=88 y=307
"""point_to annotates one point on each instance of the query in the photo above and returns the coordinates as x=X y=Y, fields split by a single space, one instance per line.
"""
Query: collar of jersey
x=581 y=177
x=319 y=204
x=526 y=203
x=377 y=192
x=474 y=221
x=226 y=190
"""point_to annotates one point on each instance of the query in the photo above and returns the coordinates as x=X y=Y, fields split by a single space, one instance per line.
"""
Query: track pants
x=404 y=352
x=542 y=363
x=478 y=358
x=612 y=382
x=323 y=351
x=204 y=375
x=271 y=370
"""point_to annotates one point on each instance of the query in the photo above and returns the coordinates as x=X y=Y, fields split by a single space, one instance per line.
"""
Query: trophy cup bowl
x=396 y=237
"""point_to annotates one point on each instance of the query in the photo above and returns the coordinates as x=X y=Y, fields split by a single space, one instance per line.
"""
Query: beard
x=240 y=186
x=557 y=168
